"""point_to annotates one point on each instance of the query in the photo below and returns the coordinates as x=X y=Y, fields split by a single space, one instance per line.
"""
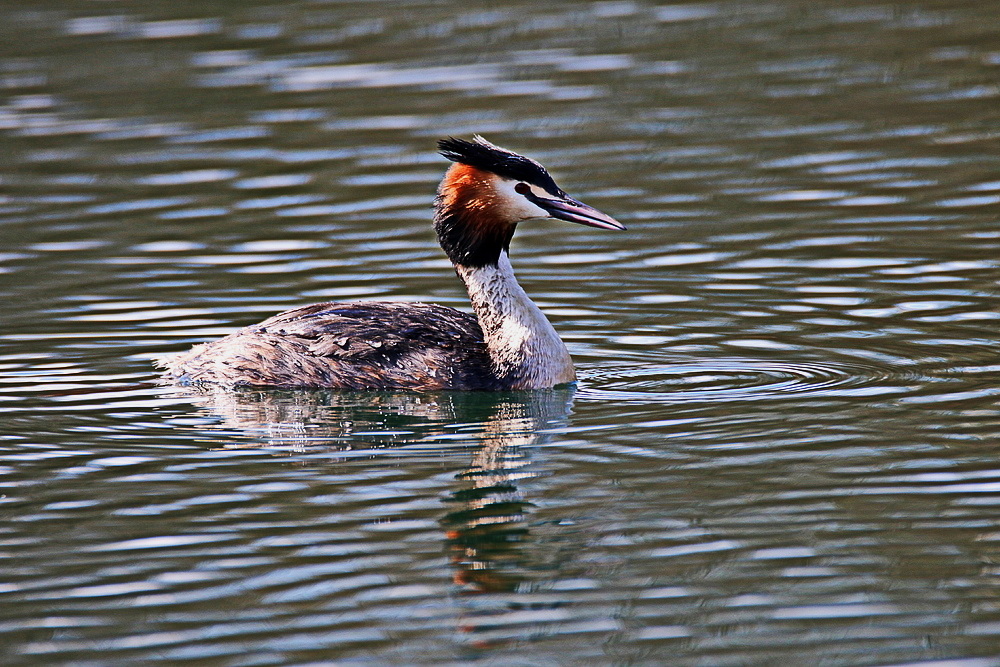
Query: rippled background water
x=783 y=446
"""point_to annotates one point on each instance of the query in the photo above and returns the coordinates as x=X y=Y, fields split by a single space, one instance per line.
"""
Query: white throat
x=523 y=345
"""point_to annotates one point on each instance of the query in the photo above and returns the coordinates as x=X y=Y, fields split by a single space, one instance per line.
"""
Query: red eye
x=522 y=188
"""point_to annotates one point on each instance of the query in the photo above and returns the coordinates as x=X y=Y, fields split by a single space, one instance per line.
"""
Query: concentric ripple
x=739 y=379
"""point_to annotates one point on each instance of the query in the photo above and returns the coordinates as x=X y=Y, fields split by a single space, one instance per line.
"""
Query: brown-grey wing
x=349 y=345
x=375 y=330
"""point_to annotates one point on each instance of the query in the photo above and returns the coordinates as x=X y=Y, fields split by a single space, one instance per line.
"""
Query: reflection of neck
x=525 y=349
x=487 y=527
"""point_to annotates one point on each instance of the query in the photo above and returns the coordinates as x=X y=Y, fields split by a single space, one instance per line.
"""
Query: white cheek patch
x=515 y=205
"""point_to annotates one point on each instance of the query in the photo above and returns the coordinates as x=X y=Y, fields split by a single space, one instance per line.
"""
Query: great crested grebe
x=507 y=344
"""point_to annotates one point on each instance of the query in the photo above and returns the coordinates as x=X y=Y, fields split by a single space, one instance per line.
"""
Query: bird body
x=507 y=344
x=358 y=345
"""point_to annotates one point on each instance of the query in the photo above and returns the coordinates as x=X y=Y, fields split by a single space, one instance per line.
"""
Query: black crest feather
x=481 y=154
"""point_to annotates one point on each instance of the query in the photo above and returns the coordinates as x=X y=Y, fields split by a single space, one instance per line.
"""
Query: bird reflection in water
x=486 y=525
x=486 y=531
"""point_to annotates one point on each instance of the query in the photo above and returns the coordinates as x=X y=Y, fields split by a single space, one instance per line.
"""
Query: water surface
x=783 y=444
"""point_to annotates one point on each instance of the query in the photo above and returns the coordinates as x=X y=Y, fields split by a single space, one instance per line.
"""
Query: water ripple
x=739 y=379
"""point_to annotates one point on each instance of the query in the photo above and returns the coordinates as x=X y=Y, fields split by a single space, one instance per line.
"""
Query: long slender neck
x=525 y=349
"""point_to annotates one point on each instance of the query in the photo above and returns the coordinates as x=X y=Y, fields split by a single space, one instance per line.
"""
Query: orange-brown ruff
x=507 y=344
x=474 y=195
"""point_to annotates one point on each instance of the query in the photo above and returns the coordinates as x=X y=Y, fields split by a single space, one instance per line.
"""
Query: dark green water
x=783 y=448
